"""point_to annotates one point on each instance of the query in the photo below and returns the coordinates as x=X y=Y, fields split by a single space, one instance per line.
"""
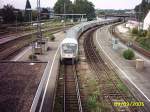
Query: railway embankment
x=138 y=42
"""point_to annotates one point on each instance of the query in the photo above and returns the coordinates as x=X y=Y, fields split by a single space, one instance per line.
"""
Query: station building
x=132 y=24
x=146 y=24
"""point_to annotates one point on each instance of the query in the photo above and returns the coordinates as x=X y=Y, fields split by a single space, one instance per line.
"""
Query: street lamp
x=29 y=10
x=64 y=13
x=16 y=13
x=138 y=19
x=39 y=20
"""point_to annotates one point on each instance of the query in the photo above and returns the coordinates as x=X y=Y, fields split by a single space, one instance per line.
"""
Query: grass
x=49 y=35
x=145 y=43
x=49 y=24
x=54 y=24
x=122 y=87
x=142 y=37
x=92 y=86
x=58 y=106
x=94 y=104
x=32 y=57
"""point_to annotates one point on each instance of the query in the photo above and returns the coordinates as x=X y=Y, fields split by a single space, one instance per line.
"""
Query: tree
x=79 y=6
x=8 y=14
x=34 y=15
x=20 y=17
x=142 y=10
x=59 y=6
x=85 y=7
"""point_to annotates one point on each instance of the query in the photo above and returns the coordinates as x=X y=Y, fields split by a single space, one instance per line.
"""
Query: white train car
x=69 y=46
x=69 y=49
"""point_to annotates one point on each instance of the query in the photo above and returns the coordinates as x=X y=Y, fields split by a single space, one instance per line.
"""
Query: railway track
x=111 y=87
x=9 y=49
x=12 y=37
x=68 y=94
x=13 y=48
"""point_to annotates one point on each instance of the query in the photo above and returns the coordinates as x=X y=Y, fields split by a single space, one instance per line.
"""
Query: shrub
x=92 y=103
x=52 y=38
x=142 y=33
x=128 y=54
x=48 y=48
x=32 y=57
x=148 y=34
x=135 y=31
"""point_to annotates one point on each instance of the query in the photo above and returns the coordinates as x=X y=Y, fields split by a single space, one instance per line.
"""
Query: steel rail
x=4 y=54
x=76 y=82
x=30 y=33
x=97 y=65
x=78 y=90
x=92 y=65
x=109 y=64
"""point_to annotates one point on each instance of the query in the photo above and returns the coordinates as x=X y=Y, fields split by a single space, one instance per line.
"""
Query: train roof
x=69 y=40
x=73 y=32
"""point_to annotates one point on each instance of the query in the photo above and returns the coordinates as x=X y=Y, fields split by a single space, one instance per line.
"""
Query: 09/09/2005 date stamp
x=128 y=104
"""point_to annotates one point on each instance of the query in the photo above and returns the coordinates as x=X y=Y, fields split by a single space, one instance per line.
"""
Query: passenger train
x=69 y=46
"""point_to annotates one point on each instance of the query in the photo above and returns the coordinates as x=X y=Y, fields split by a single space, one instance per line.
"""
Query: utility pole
x=16 y=14
x=64 y=14
x=142 y=14
x=39 y=33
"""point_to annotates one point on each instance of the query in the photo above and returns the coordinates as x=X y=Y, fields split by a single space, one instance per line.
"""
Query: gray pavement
x=45 y=94
x=137 y=81
x=23 y=56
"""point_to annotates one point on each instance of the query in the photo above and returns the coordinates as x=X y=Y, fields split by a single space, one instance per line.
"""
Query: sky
x=99 y=4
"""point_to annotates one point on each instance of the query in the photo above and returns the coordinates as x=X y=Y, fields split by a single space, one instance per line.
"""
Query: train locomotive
x=69 y=46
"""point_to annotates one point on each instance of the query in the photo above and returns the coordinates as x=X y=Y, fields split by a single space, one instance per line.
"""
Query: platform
x=137 y=81
x=18 y=84
x=43 y=100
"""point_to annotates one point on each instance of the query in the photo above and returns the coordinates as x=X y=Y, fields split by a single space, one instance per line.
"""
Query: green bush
x=148 y=34
x=32 y=57
x=142 y=33
x=92 y=103
x=135 y=31
x=128 y=54
x=52 y=38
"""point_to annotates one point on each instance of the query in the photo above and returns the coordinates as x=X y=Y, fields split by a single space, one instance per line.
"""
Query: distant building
x=28 y=11
x=1 y=19
x=130 y=12
x=1 y=16
x=148 y=1
x=51 y=13
x=147 y=21
x=28 y=5
x=47 y=12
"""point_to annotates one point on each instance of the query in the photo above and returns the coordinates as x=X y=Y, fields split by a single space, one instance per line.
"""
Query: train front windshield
x=69 y=48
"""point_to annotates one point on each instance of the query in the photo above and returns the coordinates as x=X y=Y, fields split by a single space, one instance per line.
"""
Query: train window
x=69 y=48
